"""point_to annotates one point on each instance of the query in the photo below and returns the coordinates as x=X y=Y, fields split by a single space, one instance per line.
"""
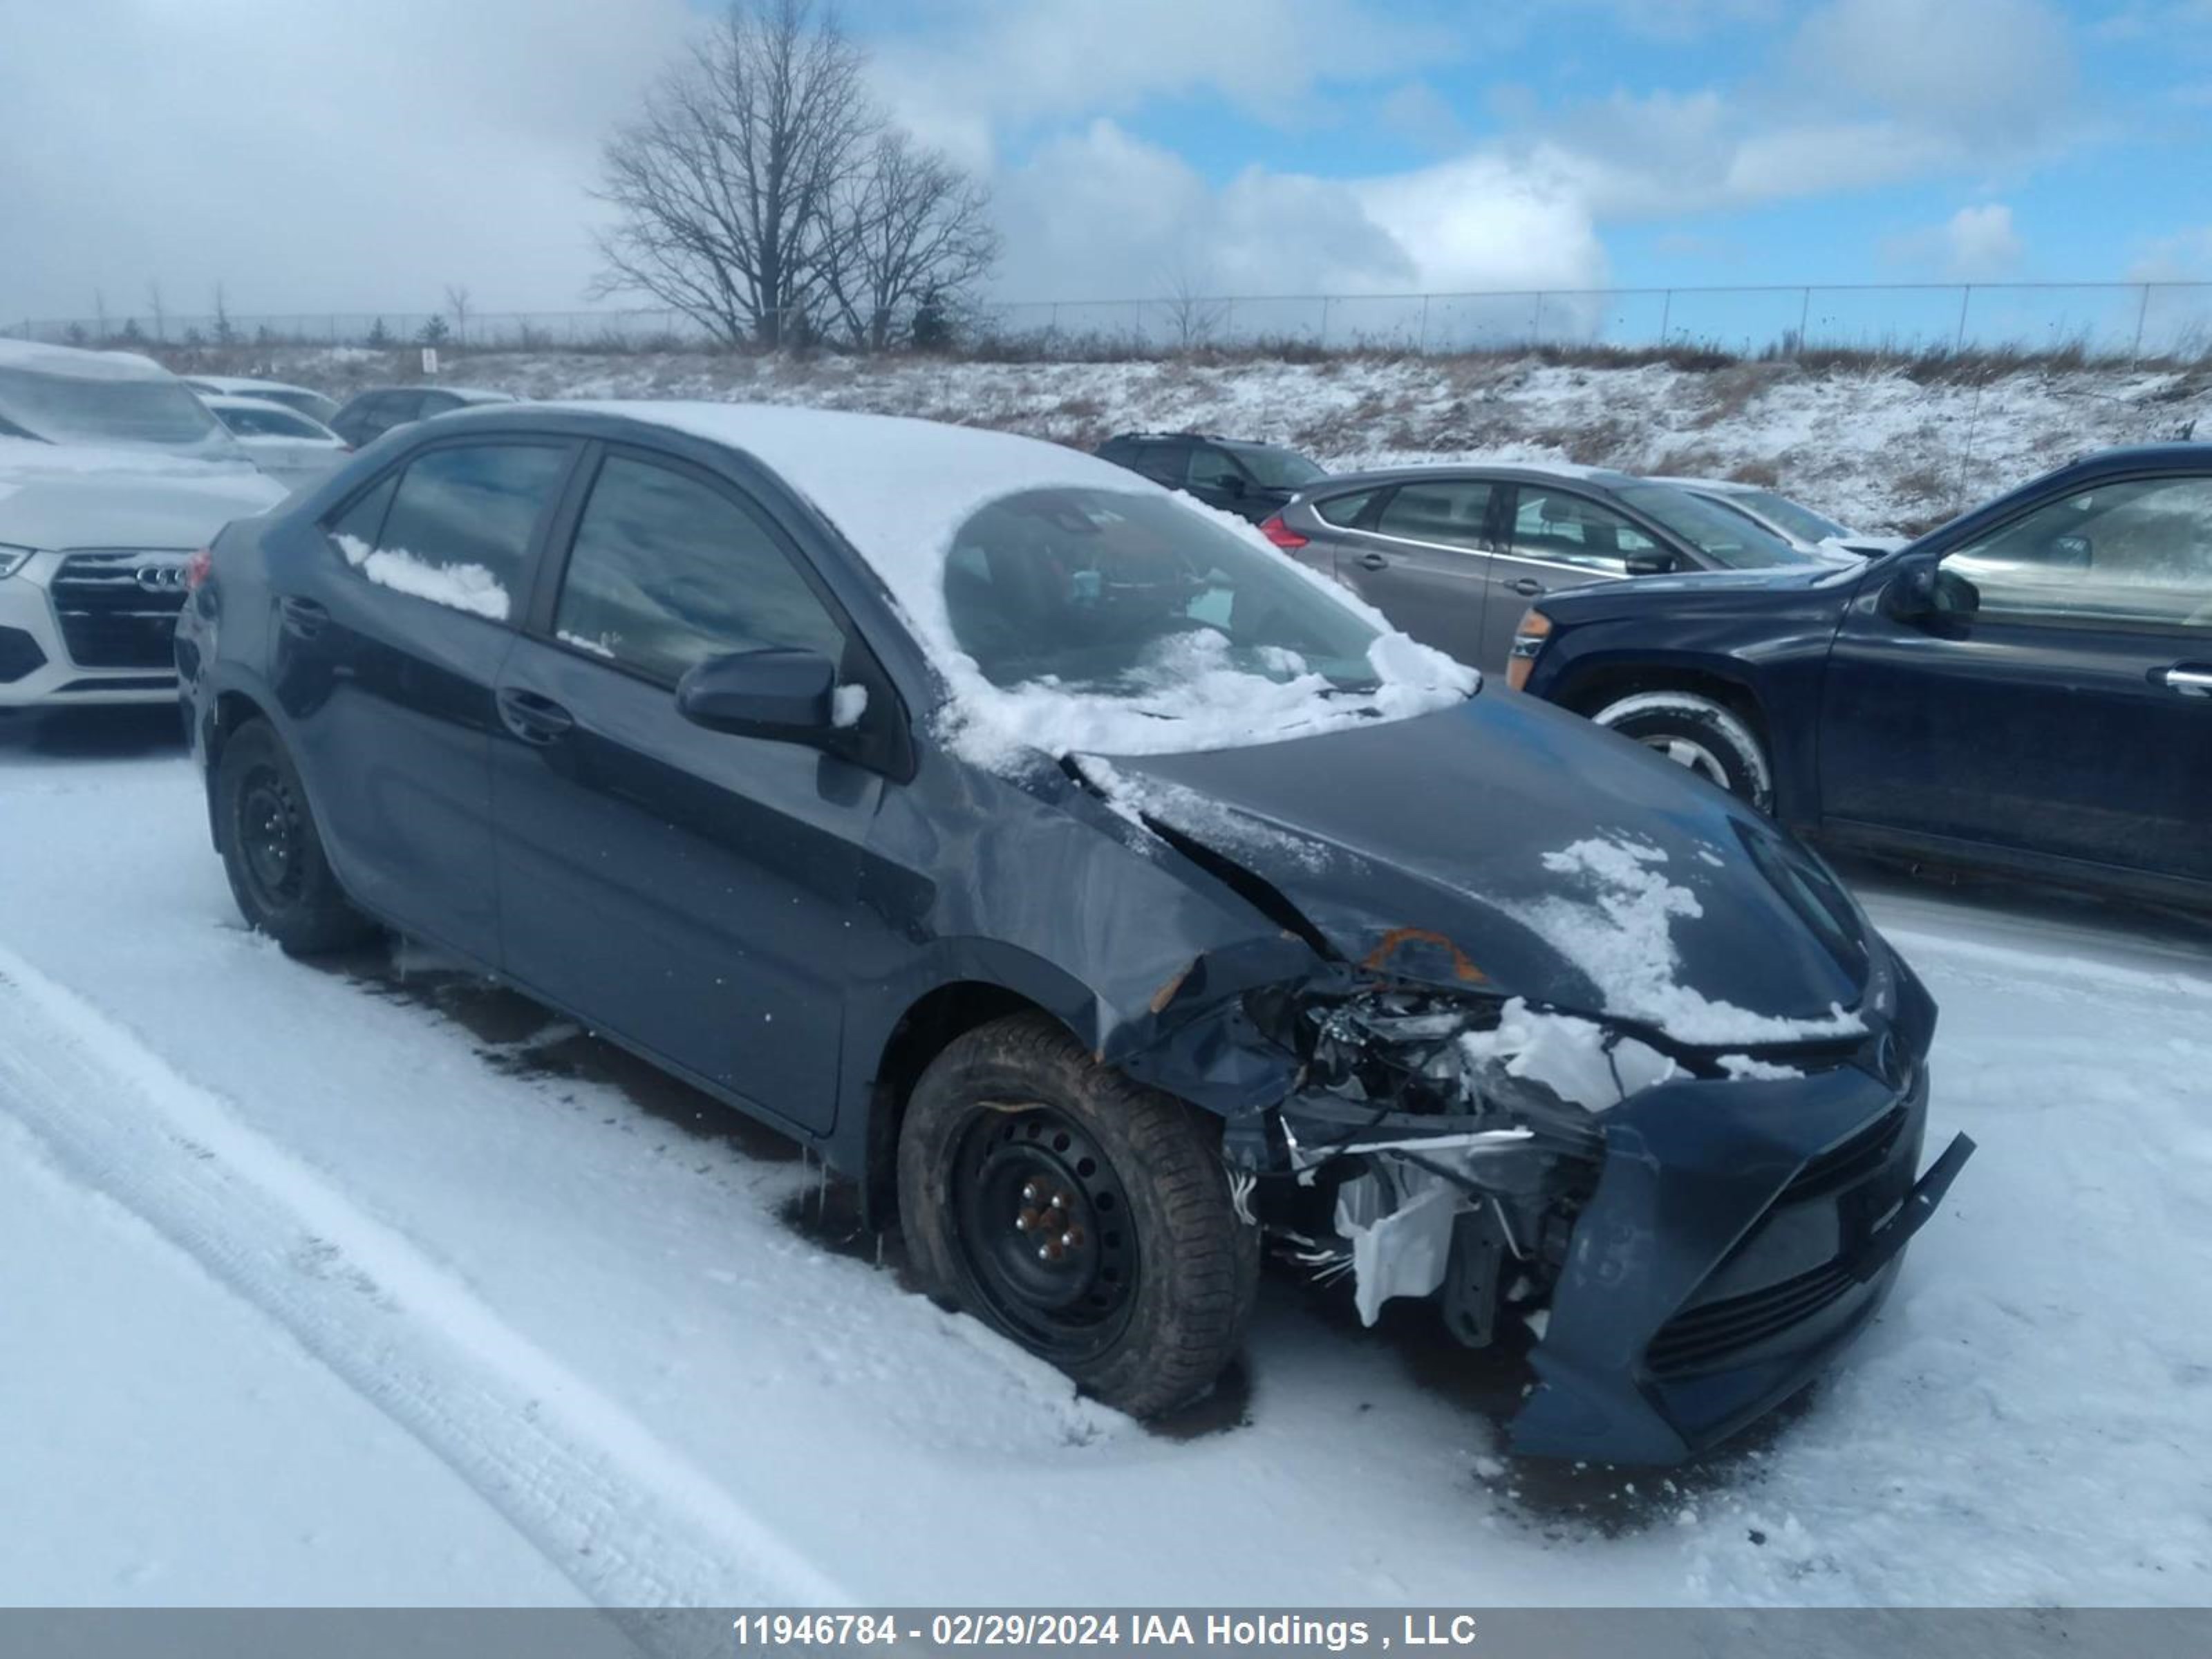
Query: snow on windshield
x=1621 y=935
x=903 y=492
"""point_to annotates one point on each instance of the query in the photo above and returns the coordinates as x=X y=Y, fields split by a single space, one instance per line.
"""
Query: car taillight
x=1528 y=640
x=1281 y=534
x=198 y=568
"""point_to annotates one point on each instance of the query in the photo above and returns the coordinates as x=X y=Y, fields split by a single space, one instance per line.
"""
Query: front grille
x=118 y=610
x=1849 y=1161
x=1714 y=1334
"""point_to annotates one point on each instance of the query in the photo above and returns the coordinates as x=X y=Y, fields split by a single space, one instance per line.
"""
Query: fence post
x=1666 y=315
x=1321 y=339
x=1422 y=347
x=1804 y=314
x=2143 y=314
x=1965 y=299
x=1536 y=321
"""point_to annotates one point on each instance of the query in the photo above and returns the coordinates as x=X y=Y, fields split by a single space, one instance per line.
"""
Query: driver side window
x=2136 y=553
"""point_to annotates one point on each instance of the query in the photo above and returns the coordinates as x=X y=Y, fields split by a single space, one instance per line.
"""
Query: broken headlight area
x=1435 y=1145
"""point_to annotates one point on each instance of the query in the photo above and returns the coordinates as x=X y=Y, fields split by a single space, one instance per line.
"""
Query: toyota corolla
x=1108 y=896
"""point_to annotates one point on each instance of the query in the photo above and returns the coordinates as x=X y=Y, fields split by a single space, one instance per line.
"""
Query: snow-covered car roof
x=900 y=489
x=41 y=359
x=241 y=385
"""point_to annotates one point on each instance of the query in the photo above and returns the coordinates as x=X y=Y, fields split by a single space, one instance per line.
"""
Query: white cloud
x=326 y=156
x=1983 y=69
x=1976 y=244
x=1103 y=214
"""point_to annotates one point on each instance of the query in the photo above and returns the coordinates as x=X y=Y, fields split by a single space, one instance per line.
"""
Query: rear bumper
x=1742 y=1233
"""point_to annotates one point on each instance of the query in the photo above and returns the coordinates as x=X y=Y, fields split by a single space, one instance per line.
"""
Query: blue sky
x=1693 y=141
x=387 y=150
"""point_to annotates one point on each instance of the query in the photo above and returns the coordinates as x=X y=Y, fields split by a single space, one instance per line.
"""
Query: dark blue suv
x=1106 y=894
x=2028 y=688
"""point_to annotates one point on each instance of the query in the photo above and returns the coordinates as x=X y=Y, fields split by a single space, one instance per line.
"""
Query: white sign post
x=430 y=359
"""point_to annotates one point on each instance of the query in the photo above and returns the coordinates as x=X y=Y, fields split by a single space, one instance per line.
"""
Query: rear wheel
x=1085 y=1217
x=1697 y=732
x=272 y=852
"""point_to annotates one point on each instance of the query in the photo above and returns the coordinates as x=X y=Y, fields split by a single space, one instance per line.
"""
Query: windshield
x=312 y=405
x=1134 y=595
x=1798 y=519
x=1727 y=538
x=64 y=409
x=1276 y=469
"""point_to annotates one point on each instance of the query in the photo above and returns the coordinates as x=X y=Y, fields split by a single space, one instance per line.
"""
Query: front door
x=1555 y=536
x=693 y=892
x=2058 y=701
x=1423 y=561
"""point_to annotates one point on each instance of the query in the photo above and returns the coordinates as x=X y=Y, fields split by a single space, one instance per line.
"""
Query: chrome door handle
x=2190 y=682
x=1373 y=562
x=1527 y=586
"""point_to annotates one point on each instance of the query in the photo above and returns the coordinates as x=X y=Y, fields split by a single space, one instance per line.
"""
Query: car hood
x=69 y=498
x=1767 y=577
x=1506 y=846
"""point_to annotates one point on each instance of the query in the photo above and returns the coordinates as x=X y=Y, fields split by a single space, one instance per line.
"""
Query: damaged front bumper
x=1693 y=1242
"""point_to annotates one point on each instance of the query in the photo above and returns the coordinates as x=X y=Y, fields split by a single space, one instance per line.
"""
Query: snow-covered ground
x=1881 y=451
x=371 y=1285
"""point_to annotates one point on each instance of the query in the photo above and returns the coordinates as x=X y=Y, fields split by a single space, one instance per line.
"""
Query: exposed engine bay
x=1435 y=1144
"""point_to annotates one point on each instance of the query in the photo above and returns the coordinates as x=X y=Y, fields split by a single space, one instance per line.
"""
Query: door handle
x=2190 y=682
x=533 y=718
x=1373 y=562
x=303 y=616
x=1527 y=586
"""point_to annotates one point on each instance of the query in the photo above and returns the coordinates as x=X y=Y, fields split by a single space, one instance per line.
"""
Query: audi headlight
x=13 y=559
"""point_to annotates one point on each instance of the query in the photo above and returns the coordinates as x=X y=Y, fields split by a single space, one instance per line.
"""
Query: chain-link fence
x=2129 y=321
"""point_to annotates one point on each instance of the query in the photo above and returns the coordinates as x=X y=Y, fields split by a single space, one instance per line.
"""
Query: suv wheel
x=1711 y=740
x=1085 y=1217
x=271 y=852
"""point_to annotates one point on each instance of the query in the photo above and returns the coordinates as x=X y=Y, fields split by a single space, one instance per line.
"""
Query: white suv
x=113 y=474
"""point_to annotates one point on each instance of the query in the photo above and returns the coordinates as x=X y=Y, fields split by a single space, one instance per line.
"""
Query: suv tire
x=1709 y=739
x=1085 y=1217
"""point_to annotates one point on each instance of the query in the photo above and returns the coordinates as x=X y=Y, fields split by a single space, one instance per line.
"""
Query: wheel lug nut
x=1044 y=1252
x=1066 y=1239
x=1021 y=1224
x=1029 y=1194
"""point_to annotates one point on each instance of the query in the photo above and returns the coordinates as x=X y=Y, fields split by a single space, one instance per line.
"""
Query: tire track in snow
x=613 y=1508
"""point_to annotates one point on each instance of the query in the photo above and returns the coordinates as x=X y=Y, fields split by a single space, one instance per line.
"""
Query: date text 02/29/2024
x=1016 y=1629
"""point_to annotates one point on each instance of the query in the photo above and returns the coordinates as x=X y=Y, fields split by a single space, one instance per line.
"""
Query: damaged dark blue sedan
x=1109 y=897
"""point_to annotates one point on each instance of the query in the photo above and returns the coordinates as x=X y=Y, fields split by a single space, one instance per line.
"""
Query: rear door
x=387 y=654
x=2059 y=704
x=694 y=892
x=1421 y=556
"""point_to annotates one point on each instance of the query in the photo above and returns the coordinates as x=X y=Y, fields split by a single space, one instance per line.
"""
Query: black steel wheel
x=271 y=851
x=1044 y=1229
x=1082 y=1215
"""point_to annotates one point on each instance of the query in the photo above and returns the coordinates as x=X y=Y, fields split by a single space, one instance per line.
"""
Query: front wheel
x=1697 y=732
x=1085 y=1217
x=272 y=852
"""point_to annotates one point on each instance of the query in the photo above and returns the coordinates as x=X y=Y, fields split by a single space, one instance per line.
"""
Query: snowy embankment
x=370 y=1285
x=1882 y=451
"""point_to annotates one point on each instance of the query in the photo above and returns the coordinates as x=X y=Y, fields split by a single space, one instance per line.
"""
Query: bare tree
x=1193 y=317
x=457 y=301
x=911 y=226
x=723 y=186
x=99 y=315
x=154 y=305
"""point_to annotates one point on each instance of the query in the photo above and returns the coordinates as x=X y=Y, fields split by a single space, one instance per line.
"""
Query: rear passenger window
x=668 y=572
x=458 y=529
x=1162 y=463
x=1344 y=509
x=1453 y=511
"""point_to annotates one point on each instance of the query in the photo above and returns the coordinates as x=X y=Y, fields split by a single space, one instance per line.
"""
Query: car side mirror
x=784 y=696
x=1649 y=564
x=1924 y=589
